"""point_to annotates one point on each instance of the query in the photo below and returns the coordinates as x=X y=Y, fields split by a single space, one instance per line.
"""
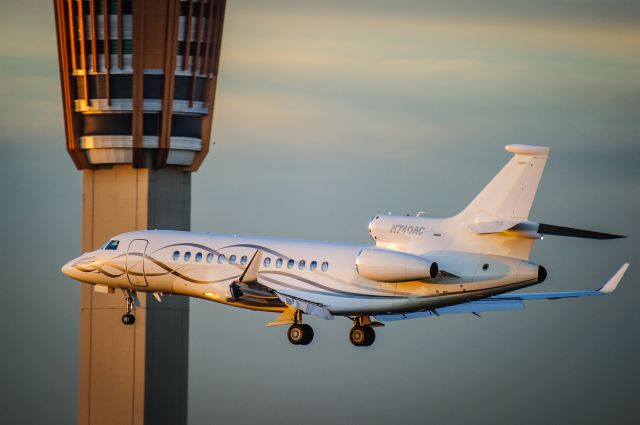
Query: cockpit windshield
x=111 y=245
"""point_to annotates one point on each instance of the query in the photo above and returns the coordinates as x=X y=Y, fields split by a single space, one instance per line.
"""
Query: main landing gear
x=299 y=333
x=129 y=318
x=362 y=333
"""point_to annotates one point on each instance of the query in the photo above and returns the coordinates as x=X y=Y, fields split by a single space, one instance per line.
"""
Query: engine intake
x=383 y=265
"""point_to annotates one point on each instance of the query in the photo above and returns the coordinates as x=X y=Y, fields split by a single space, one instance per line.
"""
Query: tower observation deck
x=138 y=82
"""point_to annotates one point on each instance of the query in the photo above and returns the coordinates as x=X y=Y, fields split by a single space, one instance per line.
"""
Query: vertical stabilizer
x=510 y=194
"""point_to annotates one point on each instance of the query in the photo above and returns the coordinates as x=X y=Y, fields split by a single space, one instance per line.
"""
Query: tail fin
x=510 y=194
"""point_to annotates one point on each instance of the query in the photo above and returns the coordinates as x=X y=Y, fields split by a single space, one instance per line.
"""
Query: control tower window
x=152 y=86
x=125 y=4
x=112 y=245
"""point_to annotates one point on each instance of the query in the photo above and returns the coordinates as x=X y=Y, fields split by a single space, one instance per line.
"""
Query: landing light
x=212 y=295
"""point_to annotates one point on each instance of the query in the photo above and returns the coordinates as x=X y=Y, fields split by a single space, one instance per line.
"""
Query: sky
x=328 y=113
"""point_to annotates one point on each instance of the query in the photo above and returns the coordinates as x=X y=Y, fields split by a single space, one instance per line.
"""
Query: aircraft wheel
x=357 y=336
x=362 y=336
x=128 y=319
x=307 y=332
x=369 y=336
x=300 y=334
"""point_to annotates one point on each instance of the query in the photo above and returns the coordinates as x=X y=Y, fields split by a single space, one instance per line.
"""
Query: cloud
x=274 y=122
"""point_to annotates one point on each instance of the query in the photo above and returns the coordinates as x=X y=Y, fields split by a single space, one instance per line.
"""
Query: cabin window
x=267 y=262
x=302 y=264
x=187 y=256
x=279 y=262
x=176 y=255
x=232 y=259
x=313 y=265
x=290 y=264
x=209 y=258
x=221 y=258
x=112 y=245
x=485 y=267
x=243 y=260
x=325 y=266
x=198 y=257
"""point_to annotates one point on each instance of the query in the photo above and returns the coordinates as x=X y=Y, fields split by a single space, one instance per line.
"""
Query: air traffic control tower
x=138 y=84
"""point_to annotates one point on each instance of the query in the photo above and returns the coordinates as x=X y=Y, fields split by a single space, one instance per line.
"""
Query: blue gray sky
x=328 y=113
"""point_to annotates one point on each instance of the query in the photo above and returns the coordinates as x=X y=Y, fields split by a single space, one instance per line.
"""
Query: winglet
x=612 y=284
x=250 y=274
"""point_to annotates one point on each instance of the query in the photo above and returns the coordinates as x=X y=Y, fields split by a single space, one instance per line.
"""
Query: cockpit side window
x=112 y=245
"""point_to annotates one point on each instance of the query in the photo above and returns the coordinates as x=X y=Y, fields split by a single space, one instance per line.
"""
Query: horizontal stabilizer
x=550 y=229
x=532 y=230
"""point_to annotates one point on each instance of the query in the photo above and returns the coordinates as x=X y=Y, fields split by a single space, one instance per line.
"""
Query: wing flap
x=474 y=307
x=307 y=307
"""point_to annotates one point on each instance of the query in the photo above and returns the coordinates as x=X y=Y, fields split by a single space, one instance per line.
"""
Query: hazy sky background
x=327 y=113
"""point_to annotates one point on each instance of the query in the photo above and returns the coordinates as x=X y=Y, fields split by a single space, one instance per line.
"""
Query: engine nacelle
x=383 y=265
x=397 y=229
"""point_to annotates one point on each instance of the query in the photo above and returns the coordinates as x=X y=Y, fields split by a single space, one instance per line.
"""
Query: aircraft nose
x=68 y=268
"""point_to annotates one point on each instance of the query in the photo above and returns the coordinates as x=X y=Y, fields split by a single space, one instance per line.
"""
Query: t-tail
x=500 y=212
x=496 y=222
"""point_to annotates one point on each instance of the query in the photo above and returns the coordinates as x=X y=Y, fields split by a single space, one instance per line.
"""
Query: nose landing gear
x=129 y=318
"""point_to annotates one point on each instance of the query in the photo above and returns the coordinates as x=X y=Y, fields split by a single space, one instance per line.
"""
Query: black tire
x=296 y=334
x=128 y=319
x=307 y=334
x=357 y=336
x=370 y=336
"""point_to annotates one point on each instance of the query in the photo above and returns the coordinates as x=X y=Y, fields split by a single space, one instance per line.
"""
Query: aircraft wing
x=508 y=301
x=607 y=288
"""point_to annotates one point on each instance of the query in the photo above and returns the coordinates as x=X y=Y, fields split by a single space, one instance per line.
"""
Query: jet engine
x=383 y=265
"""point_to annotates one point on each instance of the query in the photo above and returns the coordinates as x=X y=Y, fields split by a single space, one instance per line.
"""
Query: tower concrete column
x=133 y=374
x=138 y=81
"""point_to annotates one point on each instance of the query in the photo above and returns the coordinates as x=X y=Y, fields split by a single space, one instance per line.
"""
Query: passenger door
x=135 y=262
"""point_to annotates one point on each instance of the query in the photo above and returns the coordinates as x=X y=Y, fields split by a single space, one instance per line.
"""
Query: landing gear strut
x=129 y=318
x=362 y=333
x=299 y=333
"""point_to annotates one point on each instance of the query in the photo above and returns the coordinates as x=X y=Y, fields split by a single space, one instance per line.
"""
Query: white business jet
x=418 y=267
